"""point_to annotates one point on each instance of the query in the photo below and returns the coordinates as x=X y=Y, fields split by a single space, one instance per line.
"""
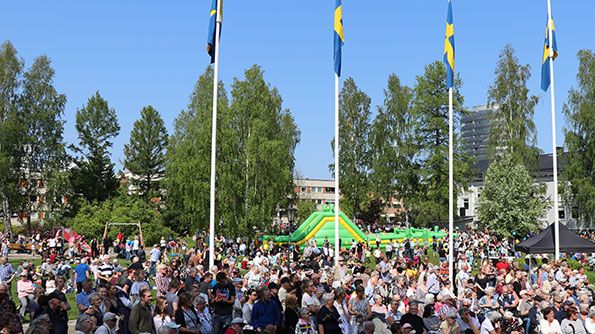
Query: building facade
x=475 y=132
x=322 y=192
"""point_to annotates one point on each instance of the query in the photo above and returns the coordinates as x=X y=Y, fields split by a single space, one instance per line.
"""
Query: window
x=561 y=214
x=303 y=189
x=330 y=190
x=466 y=203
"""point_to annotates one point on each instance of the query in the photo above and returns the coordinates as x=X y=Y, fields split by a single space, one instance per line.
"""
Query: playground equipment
x=320 y=225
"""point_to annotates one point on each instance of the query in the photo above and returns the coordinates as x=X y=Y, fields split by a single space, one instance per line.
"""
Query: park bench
x=22 y=248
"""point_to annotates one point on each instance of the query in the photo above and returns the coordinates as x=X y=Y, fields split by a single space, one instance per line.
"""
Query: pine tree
x=96 y=125
x=145 y=154
x=429 y=133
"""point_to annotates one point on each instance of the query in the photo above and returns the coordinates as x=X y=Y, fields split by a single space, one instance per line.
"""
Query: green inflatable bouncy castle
x=321 y=225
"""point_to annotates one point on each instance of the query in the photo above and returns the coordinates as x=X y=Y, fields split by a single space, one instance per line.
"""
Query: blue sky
x=138 y=53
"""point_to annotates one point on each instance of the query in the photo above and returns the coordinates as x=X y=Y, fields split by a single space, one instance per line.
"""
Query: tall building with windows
x=475 y=132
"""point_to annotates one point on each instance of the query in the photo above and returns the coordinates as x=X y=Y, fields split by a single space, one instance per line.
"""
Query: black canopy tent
x=543 y=242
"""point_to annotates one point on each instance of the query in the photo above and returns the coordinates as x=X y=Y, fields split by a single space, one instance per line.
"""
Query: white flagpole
x=337 y=250
x=554 y=145
x=214 y=141
x=450 y=192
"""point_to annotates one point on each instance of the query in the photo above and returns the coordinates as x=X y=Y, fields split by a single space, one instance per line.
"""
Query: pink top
x=24 y=288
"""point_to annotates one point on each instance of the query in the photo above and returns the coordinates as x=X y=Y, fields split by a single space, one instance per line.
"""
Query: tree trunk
x=7 y=223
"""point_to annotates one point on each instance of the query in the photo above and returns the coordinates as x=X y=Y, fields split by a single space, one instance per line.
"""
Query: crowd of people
x=255 y=287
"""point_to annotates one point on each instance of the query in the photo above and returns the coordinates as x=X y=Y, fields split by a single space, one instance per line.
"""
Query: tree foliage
x=305 y=208
x=256 y=139
x=391 y=148
x=511 y=118
x=354 y=152
x=145 y=153
x=91 y=219
x=11 y=68
x=43 y=145
x=510 y=204
x=428 y=133
x=97 y=125
x=580 y=139
x=187 y=172
x=267 y=136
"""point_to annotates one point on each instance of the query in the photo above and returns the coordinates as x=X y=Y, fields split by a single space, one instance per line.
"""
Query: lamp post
x=290 y=218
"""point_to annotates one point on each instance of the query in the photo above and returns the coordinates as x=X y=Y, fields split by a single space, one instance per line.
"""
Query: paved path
x=22 y=256
x=71 y=325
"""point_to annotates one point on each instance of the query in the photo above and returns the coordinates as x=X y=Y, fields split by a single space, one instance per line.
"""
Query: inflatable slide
x=320 y=225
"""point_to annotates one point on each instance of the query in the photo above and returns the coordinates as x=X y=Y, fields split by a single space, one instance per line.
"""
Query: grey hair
x=163 y=330
x=303 y=311
x=326 y=297
x=200 y=299
x=82 y=318
x=592 y=312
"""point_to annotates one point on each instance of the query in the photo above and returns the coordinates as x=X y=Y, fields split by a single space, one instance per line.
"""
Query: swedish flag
x=545 y=60
x=212 y=28
x=338 y=36
x=449 y=48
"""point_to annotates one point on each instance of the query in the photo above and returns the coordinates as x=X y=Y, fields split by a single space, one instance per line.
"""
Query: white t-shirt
x=486 y=327
x=590 y=325
x=546 y=328
x=155 y=254
x=308 y=300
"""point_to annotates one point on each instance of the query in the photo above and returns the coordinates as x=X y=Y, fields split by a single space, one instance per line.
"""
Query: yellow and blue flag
x=212 y=28
x=449 y=48
x=545 y=60
x=338 y=36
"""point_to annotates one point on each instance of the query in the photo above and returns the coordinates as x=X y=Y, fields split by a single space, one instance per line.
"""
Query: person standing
x=81 y=272
x=141 y=317
x=222 y=297
x=56 y=311
x=328 y=317
x=155 y=255
x=265 y=311
x=186 y=315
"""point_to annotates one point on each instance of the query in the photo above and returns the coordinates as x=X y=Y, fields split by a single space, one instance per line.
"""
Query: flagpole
x=554 y=145
x=450 y=192
x=214 y=141
x=337 y=250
